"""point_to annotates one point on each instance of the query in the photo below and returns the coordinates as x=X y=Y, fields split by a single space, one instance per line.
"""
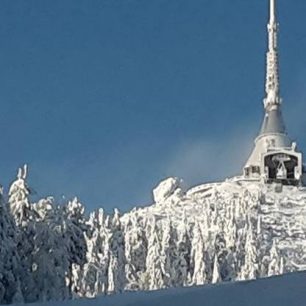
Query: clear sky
x=104 y=98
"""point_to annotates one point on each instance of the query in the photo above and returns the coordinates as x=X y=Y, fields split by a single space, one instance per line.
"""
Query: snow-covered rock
x=167 y=188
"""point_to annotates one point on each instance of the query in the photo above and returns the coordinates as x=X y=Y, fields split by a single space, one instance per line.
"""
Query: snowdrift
x=275 y=291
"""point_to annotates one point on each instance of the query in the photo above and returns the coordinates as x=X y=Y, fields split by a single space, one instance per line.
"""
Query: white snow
x=287 y=290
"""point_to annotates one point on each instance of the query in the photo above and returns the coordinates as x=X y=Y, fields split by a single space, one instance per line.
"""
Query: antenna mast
x=272 y=99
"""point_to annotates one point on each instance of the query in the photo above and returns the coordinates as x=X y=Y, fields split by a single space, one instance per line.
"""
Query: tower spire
x=272 y=99
x=272 y=11
x=274 y=157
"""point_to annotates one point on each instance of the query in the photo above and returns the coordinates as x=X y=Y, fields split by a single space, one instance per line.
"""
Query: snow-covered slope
x=220 y=232
x=228 y=231
x=276 y=291
x=254 y=230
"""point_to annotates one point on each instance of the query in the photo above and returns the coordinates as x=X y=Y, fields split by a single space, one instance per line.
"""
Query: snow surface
x=287 y=290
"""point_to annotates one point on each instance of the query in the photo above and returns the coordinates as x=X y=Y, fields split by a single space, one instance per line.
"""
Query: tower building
x=275 y=157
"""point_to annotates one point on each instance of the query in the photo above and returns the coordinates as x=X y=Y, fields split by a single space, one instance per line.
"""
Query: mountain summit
x=247 y=227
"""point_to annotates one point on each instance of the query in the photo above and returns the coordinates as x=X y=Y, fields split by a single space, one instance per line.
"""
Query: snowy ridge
x=253 y=230
x=217 y=232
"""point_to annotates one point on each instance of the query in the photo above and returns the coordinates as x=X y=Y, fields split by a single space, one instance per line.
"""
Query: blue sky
x=104 y=98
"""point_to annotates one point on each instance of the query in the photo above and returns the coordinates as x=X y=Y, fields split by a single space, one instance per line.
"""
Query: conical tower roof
x=273 y=123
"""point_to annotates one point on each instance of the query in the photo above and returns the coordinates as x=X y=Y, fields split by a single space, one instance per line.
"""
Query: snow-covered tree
x=135 y=252
x=25 y=218
x=19 y=201
x=74 y=223
x=116 y=268
x=216 y=278
x=222 y=255
x=198 y=257
x=168 y=251
x=92 y=278
x=181 y=263
x=250 y=266
x=10 y=290
x=276 y=261
x=153 y=278
x=50 y=259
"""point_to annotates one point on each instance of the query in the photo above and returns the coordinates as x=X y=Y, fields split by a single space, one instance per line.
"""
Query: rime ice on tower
x=275 y=157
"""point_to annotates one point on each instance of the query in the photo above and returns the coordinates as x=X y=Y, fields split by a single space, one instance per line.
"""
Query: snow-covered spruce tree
x=116 y=268
x=50 y=259
x=222 y=253
x=230 y=226
x=249 y=268
x=198 y=257
x=153 y=278
x=168 y=252
x=230 y=235
x=10 y=291
x=74 y=223
x=19 y=201
x=92 y=279
x=276 y=262
x=181 y=269
x=135 y=252
x=25 y=217
x=216 y=278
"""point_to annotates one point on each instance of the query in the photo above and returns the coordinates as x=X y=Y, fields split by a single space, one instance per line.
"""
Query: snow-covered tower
x=275 y=157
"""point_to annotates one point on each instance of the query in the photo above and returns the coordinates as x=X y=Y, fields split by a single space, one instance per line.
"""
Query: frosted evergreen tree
x=250 y=266
x=198 y=256
x=240 y=247
x=19 y=201
x=230 y=237
x=130 y=239
x=10 y=291
x=222 y=253
x=135 y=253
x=116 y=269
x=276 y=262
x=25 y=218
x=154 y=274
x=216 y=273
x=181 y=263
x=50 y=259
x=92 y=279
x=230 y=226
x=75 y=227
x=168 y=252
